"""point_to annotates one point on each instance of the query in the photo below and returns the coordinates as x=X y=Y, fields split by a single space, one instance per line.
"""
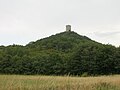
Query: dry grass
x=20 y=82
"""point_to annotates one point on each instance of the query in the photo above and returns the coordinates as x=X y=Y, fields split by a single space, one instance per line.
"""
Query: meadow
x=39 y=82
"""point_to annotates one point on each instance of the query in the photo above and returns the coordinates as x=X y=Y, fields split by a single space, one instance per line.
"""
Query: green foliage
x=61 y=54
x=85 y=74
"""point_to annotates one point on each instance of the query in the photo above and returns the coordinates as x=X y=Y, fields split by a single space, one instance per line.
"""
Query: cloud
x=106 y=34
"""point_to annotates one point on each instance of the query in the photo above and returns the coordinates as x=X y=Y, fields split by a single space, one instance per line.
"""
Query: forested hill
x=60 y=54
x=62 y=41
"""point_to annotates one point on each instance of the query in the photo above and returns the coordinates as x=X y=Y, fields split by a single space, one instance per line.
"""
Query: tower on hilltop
x=68 y=28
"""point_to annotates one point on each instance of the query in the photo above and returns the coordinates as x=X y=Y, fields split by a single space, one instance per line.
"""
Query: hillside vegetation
x=66 y=53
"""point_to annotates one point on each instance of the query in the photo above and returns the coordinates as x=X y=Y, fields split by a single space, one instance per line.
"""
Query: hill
x=62 y=41
x=60 y=54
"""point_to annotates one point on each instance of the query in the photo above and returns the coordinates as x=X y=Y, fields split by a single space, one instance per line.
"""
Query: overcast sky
x=22 y=21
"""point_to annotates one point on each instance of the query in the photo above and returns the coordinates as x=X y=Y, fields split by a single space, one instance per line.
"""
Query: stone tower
x=68 y=28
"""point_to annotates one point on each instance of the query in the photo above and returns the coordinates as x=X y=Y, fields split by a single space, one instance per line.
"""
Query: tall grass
x=21 y=82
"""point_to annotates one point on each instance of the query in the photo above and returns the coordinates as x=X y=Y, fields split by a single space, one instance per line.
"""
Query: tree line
x=66 y=58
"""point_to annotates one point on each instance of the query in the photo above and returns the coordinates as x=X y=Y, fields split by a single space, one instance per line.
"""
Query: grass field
x=21 y=82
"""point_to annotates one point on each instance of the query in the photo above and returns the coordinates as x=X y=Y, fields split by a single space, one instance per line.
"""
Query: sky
x=23 y=21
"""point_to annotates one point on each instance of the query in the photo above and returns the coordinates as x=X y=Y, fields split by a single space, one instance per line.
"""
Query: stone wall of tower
x=68 y=28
